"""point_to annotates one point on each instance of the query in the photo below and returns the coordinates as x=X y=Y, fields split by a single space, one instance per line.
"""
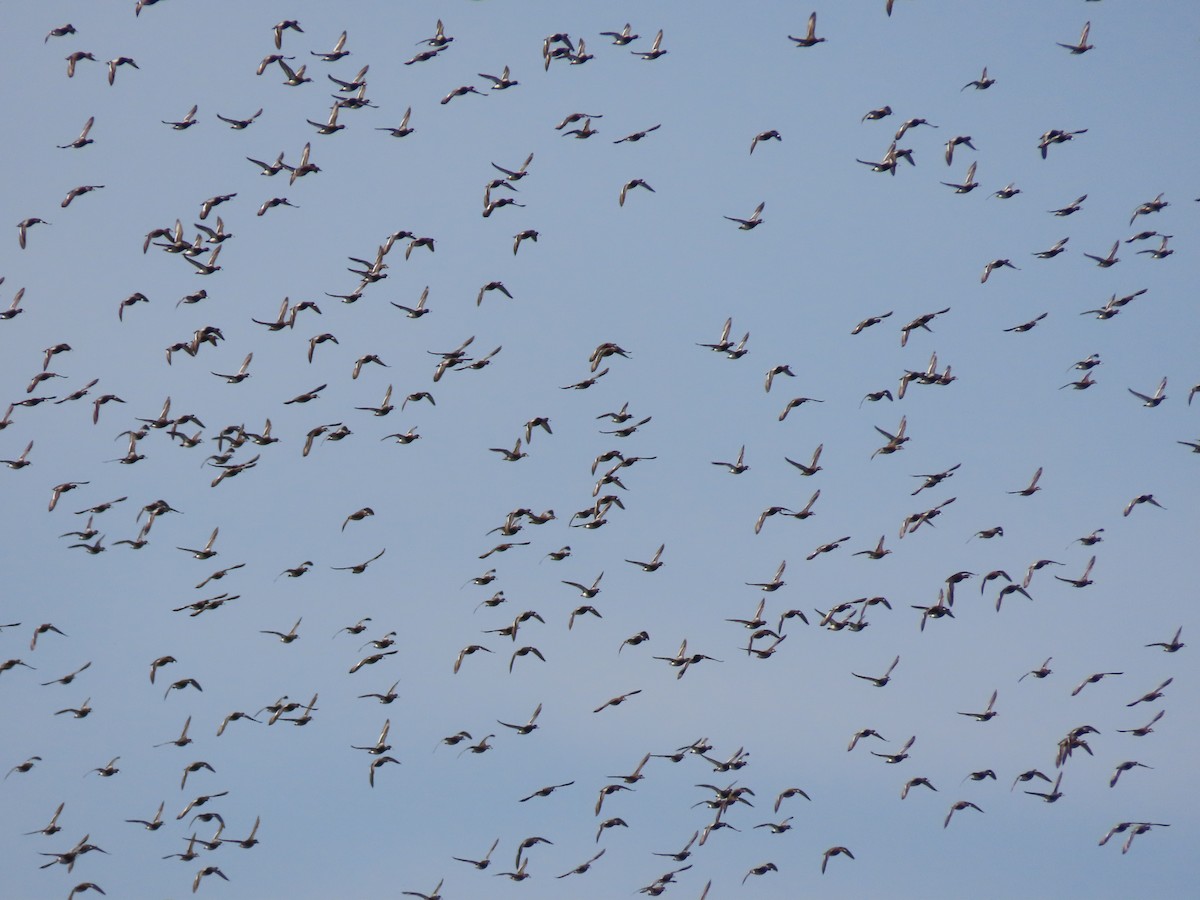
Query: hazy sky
x=838 y=243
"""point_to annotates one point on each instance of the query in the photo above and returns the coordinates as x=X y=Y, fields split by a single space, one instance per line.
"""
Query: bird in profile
x=629 y=186
x=899 y=756
x=753 y=222
x=1092 y=679
x=982 y=83
x=810 y=38
x=655 y=50
x=75 y=58
x=956 y=807
x=1073 y=207
x=771 y=135
x=1059 y=247
x=762 y=869
x=965 y=187
x=883 y=679
x=832 y=852
x=915 y=782
x=1082 y=46
x=501 y=83
x=186 y=122
x=336 y=53
x=738 y=466
x=962 y=139
x=1105 y=262
x=1173 y=645
x=622 y=37
x=652 y=565
x=637 y=135
x=485 y=861
x=59 y=31
x=988 y=714
x=1058 y=136
x=360 y=567
x=1153 y=695
x=993 y=266
x=1151 y=206
x=1155 y=399
x=1140 y=499
x=1083 y=580
x=1032 y=488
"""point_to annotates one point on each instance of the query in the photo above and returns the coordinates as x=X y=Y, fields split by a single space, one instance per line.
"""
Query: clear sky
x=837 y=243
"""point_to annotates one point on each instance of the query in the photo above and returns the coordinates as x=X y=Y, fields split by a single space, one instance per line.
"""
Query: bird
x=1150 y=206
x=461 y=91
x=762 y=869
x=1059 y=247
x=1032 y=488
x=794 y=403
x=485 y=861
x=22 y=239
x=338 y=51
x=812 y=468
x=242 y=373
x=60 y=31
x=1172 y=645
x=1059 y=136
x=915 y=782
x=655 y=50
x=86 y=189
x=637 y=135
x=988 y=714
x=955 y=142
x=21 y=461
x=205 y=872
x=832 y=852
x=654 y=564
x=1082 y=46
x=993 y=266
x=1126 y=766
x=810 y=38
x=899 y=756
x=615 y=701
x=286 y=637
x=528 y=234
x=770 y=135
x=1140 y=499
x=583 y=133
x=52 y=827
x=360 y=567
x=1155 y=399
x=957 y=806
x=629 y=186
x=186 y=122
x=1153 y=695
x=1040 y=672
x=753 y=222
x=982 y=83
x=1105 y=262
x=1144 y=730
x=1073 y=207
x=1082 y=580
x=1092 y=679
x=76 y=57
x=883 y=679
x=965 y=187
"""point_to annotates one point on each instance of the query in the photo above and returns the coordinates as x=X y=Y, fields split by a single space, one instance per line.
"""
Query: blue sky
x=656 y=276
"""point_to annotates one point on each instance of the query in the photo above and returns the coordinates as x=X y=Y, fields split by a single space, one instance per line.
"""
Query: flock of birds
x=512 y=646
